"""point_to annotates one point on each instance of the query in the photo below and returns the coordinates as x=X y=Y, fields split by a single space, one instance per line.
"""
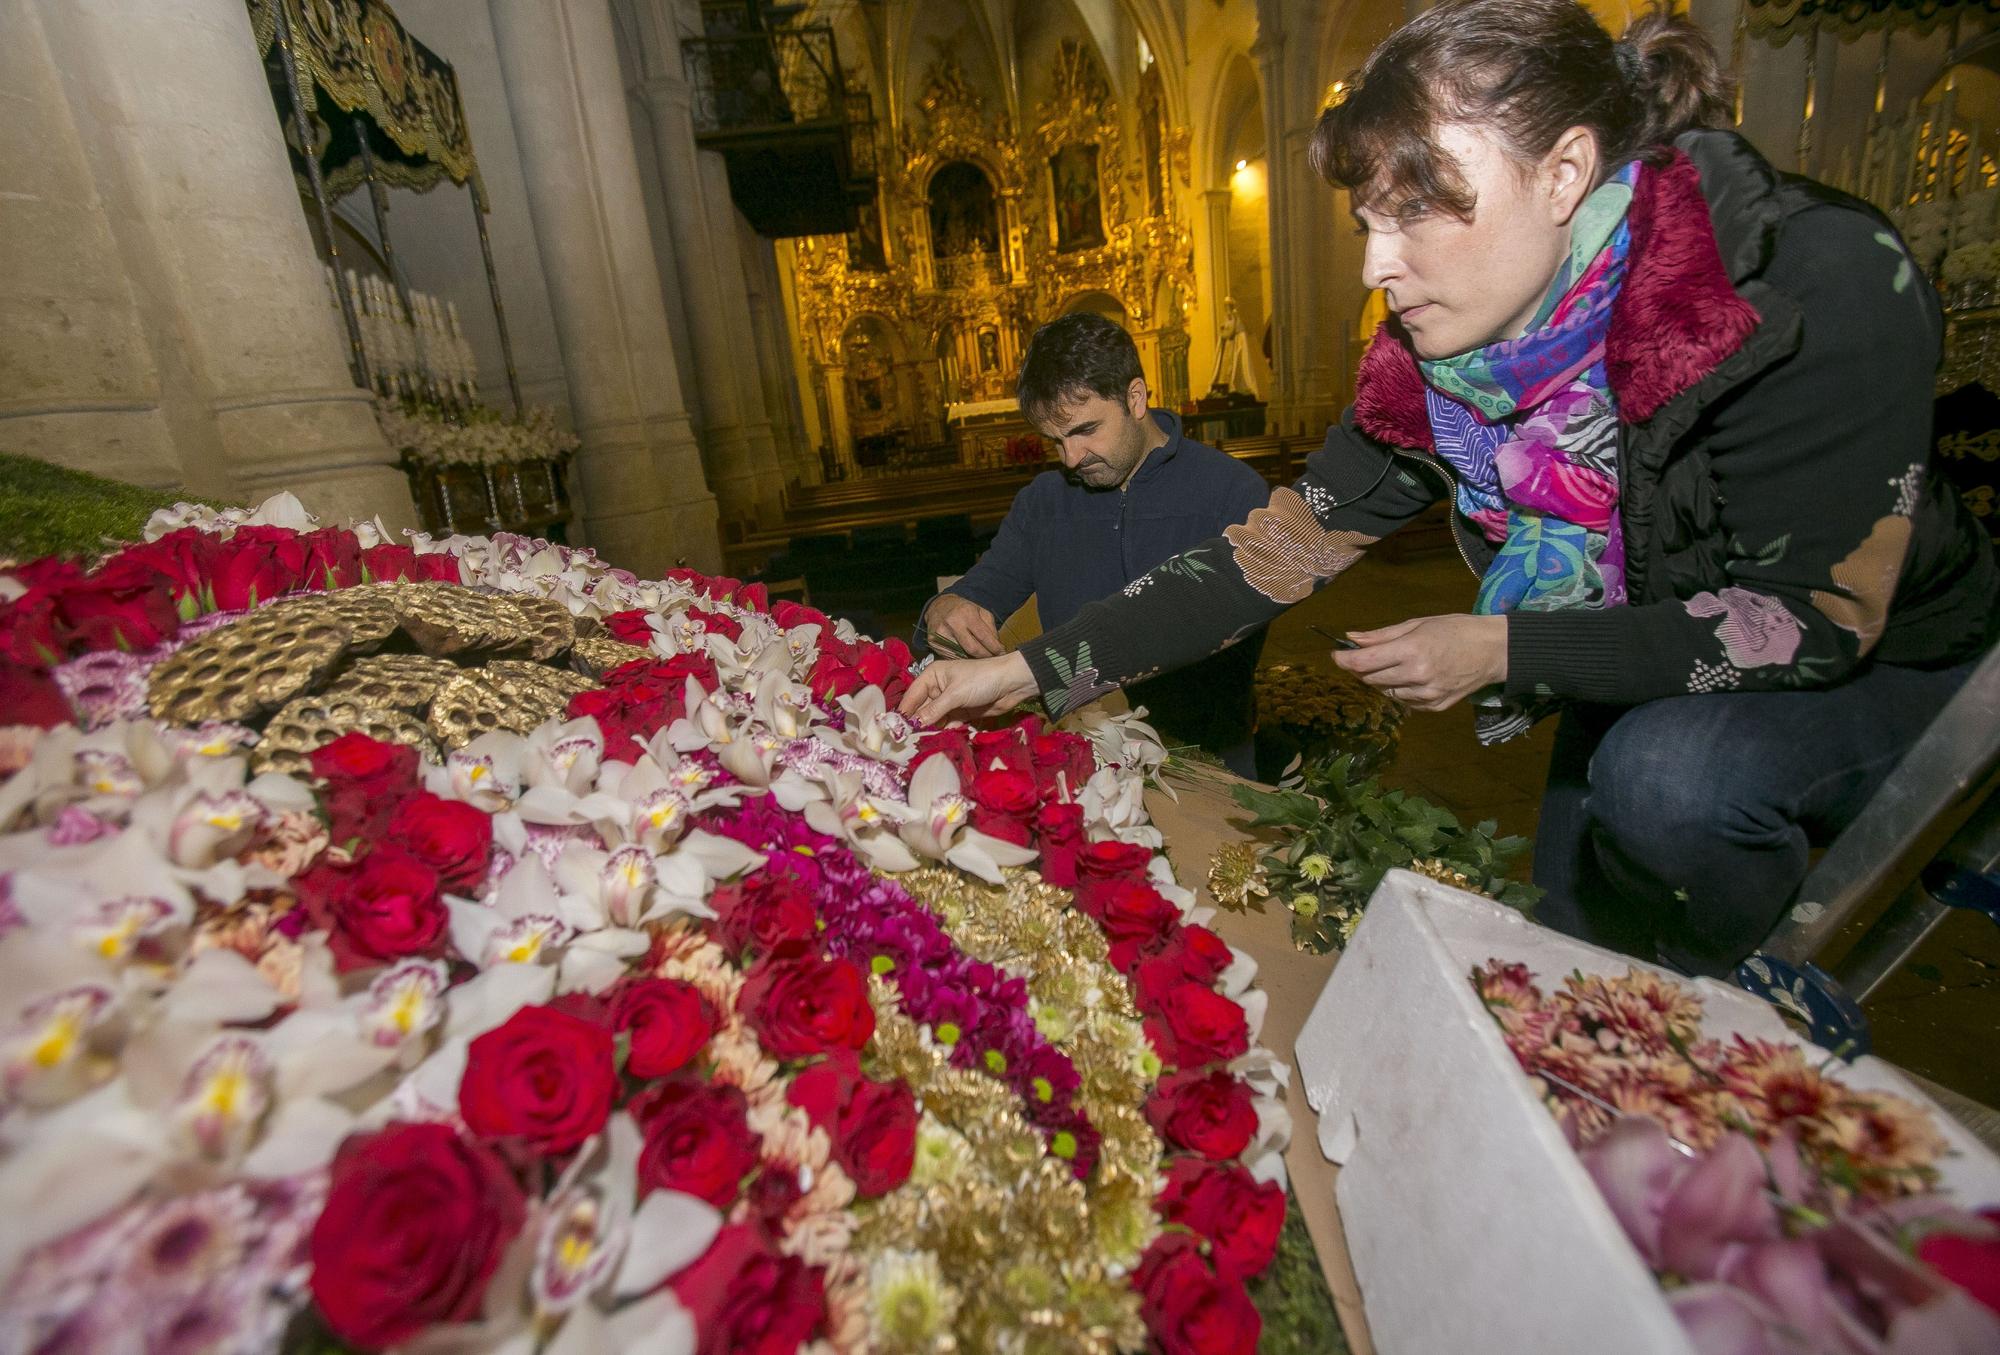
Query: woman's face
x=1457 y=285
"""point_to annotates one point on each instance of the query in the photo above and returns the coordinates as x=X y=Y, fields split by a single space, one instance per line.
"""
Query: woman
x=1681 y=404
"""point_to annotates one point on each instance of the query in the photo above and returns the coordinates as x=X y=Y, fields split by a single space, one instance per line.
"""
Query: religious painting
x=1073 y=184
x=868 y=394
x=1152 y=142
x=865 y=252
x=964 y=218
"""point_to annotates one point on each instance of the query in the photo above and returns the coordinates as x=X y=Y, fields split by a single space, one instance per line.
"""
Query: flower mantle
x=727 y=1010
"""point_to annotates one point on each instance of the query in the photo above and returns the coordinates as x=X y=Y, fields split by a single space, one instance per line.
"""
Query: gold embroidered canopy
x=361 y=73
x=1781 y=18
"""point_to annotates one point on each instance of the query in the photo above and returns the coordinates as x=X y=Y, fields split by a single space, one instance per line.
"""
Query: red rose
x=831 y=677
x=804 y=1005
x=453 y=838
x=630 y=627
x=332 y=558
x=184 y=558
x=1188 y=1308
x=388 y=562
x=1129 y=910
x=1113 y=860
x=372 y=766
x=545 y=1078
x=698 y=1140
x=1196 y=1026
x=387 y=907
x=1005 y=792
x=718 y=623
x=1062 y=757
x=764 y=913
x=1059 y=836
x=365 y=781
x=30 y=696
x=951 y=741
x=1002 y=749
x=255 y=565
x=416 y=1220
x=746 y=1299
x=438 y=567
x=791 y=615
x=29 y=630
x=1240 y=1217
x=1208 y=1113
x=125 y=605
x=1968 y=1260
x=873 y=1125
x=669 y=1022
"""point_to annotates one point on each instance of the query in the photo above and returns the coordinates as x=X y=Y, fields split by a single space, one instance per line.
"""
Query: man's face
x=1100 y=440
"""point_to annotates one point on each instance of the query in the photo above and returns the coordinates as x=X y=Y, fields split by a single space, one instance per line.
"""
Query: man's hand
x=964 y=623
x=1433 y=662
x=969 y=687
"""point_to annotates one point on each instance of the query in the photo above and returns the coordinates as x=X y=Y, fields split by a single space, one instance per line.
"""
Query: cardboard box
x=1472 y=1225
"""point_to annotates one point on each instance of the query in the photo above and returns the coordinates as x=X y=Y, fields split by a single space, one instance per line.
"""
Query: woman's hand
x=969 y=687
x=1433 y=662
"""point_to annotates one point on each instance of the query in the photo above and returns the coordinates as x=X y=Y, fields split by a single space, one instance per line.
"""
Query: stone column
x=839 y=436
x=740 y=461
x=164 y=305
x=1269 y=51
x=1216 y=286
x=731 y=331
x=645 y=503
x=774 y=359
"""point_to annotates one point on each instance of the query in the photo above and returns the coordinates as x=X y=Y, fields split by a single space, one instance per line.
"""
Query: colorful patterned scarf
x=1531 y=427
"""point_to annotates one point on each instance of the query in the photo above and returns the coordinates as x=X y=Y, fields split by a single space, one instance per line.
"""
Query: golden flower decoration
x=1236 y=877
x=1283 y=551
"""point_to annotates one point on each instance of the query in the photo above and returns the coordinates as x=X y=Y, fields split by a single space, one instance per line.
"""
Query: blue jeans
x=1680 y=829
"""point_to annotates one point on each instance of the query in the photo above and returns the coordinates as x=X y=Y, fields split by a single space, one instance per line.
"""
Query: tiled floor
x=1939 y=1016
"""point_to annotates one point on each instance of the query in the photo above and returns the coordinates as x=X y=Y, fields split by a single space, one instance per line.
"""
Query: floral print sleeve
x=1817 y=482
x=1352 y=494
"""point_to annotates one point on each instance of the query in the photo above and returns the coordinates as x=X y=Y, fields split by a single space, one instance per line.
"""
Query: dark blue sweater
x=1069 y=545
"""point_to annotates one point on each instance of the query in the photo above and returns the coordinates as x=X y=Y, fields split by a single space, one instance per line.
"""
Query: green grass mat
x=46 y=510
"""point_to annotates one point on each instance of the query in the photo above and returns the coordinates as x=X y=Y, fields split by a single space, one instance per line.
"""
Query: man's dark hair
x=1074 y=357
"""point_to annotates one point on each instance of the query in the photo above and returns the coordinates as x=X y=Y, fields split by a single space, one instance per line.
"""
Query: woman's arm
x=1352 y=494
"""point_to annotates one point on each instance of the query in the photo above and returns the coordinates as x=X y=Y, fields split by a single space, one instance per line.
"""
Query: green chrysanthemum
x=911 y=1308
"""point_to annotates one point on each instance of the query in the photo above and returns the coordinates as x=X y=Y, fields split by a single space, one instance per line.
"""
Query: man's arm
x=968 y=613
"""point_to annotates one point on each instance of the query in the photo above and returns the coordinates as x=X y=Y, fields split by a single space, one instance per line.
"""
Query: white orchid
x=873 y=730
x=532 y=922
x=940 y=825
x=870 y=825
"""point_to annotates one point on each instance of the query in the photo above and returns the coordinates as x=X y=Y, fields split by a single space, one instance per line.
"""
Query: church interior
x=744 y=287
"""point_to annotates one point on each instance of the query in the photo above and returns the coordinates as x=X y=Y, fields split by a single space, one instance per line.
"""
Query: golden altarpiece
x=913 y=326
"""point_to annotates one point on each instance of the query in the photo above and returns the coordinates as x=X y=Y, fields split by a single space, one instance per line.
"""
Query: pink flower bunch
x=1634 y=1044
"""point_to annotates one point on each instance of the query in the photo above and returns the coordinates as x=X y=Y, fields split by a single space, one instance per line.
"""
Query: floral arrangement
x=1025 y=449
x=430 y=436
x=727 y=1012
x=1339 y=835
x=1321 y=714
x=1783 y=1209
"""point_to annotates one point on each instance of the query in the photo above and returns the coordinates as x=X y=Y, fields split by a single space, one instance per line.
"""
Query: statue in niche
x=989 y=350
x=964 y=218
x=1232 y=354
x=1073 y=184
x=865 y=252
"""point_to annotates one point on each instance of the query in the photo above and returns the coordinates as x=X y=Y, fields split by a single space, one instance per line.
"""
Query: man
x=1133 y=492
